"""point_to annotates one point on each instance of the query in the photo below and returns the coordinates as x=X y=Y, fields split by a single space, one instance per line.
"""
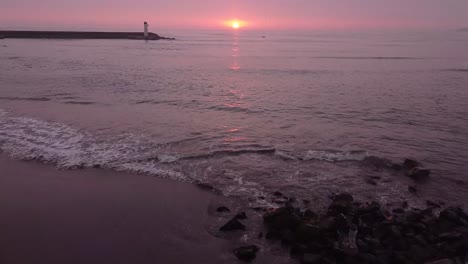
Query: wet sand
x=98 y=216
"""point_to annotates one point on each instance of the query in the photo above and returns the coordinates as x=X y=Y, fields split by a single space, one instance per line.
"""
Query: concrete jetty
x=15 y=34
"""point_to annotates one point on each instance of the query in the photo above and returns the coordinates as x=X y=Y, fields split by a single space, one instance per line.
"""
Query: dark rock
x=404 y=204
x=273 y=235
x=280 y=201
x=419 y=175
x=298 y=250
x=282 y=218
x=260 y=235
x=371 y=181
x=261 y=197
x=222 y=209
x=342 y=204
x=278 y=194
x=443 y=261
x=344 y=197
x=412 y=189
x=396 y=167
x=309 y=214
x=310 y=259
x=247 y=253
x=287 y=237
x=398 y=211
x=205 y=186
x=375 y=177
x=306 y=202
x=232 y=225
x=307 y=232
x=410 y=164
x=241 y=216
x=432 y=204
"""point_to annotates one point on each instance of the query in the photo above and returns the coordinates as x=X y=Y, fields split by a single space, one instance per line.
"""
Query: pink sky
x=260 y=14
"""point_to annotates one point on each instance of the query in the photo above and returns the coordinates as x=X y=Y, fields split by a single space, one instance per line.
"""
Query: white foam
x=168 y=158
x=285 y=154
x=333 y=156
x=68 y=148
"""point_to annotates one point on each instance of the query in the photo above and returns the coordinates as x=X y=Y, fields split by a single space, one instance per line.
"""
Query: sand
x=98 y=216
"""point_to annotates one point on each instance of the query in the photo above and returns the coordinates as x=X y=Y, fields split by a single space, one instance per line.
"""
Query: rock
x=309 y=214
x=241 y=216
x=222 y=209
x=371 y=181
x=205 y=186
x=432 y=204
x=311 y=259
x=260 y=235
x=247 y=253
x=342 y=204
x=232 y=225
x=412 y=189
x=282 y=218
x=398 y=211
x=410 y=164
x=443 y=261
x=306 y=202
x=419 y=175
x=396 y=167
x=404 y=204
x=278 y=194
x=298 y=250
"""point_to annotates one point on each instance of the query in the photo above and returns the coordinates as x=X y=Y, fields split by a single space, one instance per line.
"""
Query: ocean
x=309 y=114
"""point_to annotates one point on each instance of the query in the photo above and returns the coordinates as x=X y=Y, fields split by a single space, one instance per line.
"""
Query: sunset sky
x=258 y=14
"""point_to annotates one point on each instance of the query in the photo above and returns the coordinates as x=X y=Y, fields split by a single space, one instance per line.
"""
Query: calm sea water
x=248 y=112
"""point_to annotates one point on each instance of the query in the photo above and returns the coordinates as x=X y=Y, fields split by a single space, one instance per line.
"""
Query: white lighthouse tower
x=146 y=30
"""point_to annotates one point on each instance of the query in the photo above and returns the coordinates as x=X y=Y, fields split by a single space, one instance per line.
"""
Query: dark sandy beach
x=96 y=216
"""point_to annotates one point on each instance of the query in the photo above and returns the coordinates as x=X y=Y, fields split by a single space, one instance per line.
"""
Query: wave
x=324 y=155
x=80 y=103
x=458 y=70
x=8 y=98
x=69 y=148
x=366 y=58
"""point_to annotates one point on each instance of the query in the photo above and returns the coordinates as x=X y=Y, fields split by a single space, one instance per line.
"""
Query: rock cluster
x=351 y=232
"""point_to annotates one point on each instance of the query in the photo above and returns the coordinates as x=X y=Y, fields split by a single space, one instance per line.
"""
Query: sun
x=235 y=23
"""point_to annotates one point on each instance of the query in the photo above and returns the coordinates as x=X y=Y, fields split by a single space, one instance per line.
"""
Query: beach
x=97 y=216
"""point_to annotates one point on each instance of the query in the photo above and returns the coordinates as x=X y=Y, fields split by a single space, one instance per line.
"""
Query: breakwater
x=78 y=35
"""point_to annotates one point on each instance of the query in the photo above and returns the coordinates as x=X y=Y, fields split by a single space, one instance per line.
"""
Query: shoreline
x=102 y=216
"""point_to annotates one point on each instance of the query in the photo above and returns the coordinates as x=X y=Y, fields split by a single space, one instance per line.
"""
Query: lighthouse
x=146 y=30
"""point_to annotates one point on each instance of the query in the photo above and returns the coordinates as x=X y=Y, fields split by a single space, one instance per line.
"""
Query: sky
x=257 y=14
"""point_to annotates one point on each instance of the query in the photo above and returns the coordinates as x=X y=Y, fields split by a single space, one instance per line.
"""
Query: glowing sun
x=235 y=24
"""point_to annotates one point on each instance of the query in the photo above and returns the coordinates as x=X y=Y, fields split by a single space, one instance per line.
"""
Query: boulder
x=419 y=175
x=222 y=209
x=311 y=259
x=371 y=181
x=342 y=204
x=241 y=216
x=412 y=189
x=410 y=164
x=443 y=261
x=278 y=194
x=282 y=218
x=232 y=225
x=247 y=253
